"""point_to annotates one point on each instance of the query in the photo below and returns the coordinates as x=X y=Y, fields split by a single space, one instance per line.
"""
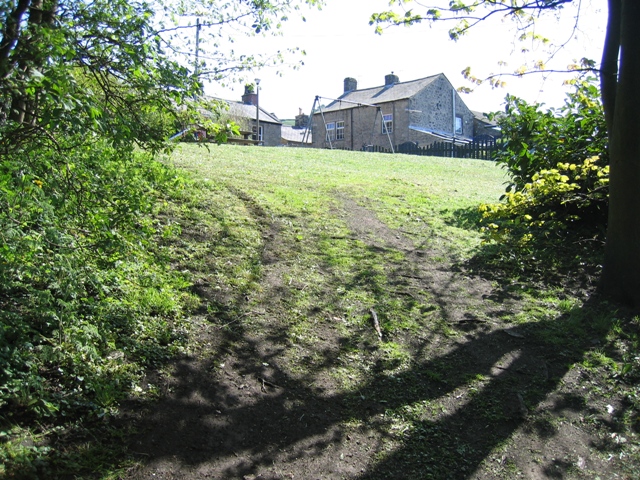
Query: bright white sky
x=340 y=43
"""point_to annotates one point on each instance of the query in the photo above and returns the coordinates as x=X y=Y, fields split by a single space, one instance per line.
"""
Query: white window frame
x=459 y=125
x=339 y=130
x=331 y=131
x=387 y=123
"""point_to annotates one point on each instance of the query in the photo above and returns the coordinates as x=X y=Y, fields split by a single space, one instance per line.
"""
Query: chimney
x=391 y=79
x=350 y=84
x=250 y=97
x=302 y=120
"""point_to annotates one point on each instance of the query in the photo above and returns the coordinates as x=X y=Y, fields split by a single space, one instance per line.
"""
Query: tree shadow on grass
x=249 y=417
x=247 y=412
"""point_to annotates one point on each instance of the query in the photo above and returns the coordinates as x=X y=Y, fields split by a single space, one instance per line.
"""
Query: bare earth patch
x=487 y=398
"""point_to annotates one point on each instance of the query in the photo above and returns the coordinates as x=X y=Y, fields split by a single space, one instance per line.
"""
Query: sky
x=339 y=43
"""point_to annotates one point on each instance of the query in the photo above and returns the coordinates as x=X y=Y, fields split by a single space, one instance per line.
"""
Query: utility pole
x=197 y=66
x=258 y=110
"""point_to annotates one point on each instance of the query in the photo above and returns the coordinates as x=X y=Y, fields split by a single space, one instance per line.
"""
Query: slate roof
x=447 y=137
x=293 y=134
x=242 y=110
x=383 y=94
x=482 y=117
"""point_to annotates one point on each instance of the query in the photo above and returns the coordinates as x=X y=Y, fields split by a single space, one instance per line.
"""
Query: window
x=260 y=134
x=331 y=131
x=339 y=130
x=387 y=123
x=458 y=125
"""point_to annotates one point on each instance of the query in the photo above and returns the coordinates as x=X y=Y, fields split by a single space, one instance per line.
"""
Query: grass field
x=294 y=253
x=343 y=324
x=406 y=192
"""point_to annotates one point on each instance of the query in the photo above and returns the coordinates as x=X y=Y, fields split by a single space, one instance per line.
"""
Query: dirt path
x=501 y=404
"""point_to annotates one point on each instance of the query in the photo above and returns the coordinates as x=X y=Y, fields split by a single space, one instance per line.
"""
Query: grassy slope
x=407 y=190
x=250 y=206
x=431 y=200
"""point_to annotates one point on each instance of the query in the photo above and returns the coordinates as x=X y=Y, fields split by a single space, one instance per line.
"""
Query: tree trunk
x=10 y=35
x=609 y=65
x=30 y=53
x=621 y=272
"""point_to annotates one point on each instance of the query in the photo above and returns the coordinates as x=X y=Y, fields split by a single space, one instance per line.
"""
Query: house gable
x=433 y=110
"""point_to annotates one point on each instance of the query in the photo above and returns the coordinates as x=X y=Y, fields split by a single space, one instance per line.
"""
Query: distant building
x=484 y=127
x=420 y=111
x=245 y=114
x=297 y=135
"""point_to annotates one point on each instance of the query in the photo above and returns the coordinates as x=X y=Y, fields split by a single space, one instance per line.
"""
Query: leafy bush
x=557 y=200
x=535 y=140
x=568 y=198
x=86 y=301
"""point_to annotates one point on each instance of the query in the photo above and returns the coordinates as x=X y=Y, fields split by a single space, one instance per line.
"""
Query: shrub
x=86 y=299
x=558 y=202
x=555 y=206
x=536 y=140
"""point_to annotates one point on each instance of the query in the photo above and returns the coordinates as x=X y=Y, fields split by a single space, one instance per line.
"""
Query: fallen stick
x=376 y=324
x=220 y=327
x=471 y=320
x=267 y=383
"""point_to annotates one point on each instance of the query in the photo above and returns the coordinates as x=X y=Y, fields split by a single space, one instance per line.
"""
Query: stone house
x=245 y=114
x=420 y=111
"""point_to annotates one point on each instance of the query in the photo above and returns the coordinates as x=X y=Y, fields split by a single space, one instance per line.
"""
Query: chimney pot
x=350 y=84
x=391 y=79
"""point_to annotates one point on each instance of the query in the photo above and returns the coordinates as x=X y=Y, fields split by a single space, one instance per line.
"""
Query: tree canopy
x=108 y=68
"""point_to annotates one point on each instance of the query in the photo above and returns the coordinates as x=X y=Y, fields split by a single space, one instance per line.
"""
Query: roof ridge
x=398 y=83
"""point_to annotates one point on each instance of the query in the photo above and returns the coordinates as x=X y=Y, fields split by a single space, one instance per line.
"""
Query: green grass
x=429 y=197
x=332 y=275
x=263 y=235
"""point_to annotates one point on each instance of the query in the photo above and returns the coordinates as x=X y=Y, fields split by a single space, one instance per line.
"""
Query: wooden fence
x=484 y=149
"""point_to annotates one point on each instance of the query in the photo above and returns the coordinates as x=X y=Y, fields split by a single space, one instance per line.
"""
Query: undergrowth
x=552 y=219
x=87 y=299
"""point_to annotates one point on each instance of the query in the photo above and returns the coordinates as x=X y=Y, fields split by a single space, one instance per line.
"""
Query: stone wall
x=271 y=134
x=432 y=109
